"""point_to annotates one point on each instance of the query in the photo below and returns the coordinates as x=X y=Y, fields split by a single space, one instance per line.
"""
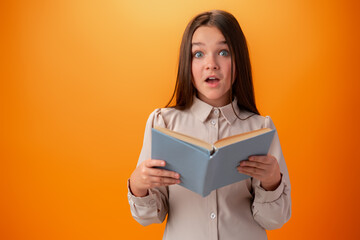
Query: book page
x=185 y=138
x=240 y=137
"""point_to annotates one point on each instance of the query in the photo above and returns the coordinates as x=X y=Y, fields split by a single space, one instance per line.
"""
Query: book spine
x=208 y=177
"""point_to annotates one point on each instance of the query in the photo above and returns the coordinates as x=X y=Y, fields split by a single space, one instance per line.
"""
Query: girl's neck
x=218 y=102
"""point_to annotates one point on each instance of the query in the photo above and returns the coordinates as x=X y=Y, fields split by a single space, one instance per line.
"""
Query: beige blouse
x=241 y=210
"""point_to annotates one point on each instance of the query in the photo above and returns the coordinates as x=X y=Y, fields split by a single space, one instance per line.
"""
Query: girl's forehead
x=207 y=34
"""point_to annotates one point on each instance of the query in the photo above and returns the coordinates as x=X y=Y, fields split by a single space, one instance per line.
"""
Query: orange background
x=79 y=79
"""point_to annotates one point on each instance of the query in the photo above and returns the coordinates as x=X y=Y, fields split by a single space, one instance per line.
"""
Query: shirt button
x=212 y=215
x=216 y=111
x=213 y=122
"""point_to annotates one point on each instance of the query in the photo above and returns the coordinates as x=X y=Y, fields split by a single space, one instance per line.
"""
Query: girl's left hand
x=264 y=168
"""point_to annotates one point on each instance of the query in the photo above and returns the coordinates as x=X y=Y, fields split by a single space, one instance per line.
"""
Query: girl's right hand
x=145 y=176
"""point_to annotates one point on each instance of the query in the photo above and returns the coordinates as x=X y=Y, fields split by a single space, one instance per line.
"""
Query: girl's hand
x=145 y=176
x=264 y=168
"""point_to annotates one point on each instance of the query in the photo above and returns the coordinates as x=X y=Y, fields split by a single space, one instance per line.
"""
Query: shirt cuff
x=263 y=196
x=147 y=201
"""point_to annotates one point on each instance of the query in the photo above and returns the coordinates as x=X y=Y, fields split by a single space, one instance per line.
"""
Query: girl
x=214 y=99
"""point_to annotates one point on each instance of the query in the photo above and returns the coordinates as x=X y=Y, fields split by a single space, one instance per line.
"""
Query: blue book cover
x=204 y=167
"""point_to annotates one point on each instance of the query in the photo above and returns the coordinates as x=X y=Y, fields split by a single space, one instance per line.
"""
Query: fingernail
x=163 y=163
x=177 y=175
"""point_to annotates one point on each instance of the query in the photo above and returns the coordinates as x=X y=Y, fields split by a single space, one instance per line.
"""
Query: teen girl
x=214 y=99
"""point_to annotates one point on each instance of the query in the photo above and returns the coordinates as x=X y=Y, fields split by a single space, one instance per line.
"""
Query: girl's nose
x=211 y=63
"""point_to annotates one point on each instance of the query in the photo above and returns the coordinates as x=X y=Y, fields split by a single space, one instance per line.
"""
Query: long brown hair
x=242 y=87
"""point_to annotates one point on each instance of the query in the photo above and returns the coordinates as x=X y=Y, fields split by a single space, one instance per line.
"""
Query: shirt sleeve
x=271 y=209
x=153 y=207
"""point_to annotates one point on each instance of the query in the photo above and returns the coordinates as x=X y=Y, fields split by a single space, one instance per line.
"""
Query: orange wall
x=79 y=78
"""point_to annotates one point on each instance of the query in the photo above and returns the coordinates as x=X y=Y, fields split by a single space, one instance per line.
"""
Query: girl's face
x=211 y=66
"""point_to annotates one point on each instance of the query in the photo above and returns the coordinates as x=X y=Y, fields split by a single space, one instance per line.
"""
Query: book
x=204 y=167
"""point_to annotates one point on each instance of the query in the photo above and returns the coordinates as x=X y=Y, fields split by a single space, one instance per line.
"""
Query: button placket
x=212 y=202
x=215 y=117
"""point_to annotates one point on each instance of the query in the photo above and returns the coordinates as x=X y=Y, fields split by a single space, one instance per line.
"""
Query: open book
x=204 y=167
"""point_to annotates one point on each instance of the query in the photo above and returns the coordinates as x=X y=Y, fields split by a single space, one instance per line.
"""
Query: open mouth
x=212 y=80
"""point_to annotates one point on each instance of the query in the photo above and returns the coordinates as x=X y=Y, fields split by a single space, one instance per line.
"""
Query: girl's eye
x=224 y=53
x=198 y=54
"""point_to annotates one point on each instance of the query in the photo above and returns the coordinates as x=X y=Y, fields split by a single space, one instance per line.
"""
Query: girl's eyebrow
x=200 y=43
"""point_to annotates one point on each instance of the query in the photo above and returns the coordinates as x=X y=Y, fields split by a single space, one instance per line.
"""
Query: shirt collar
x=202 y=110
x=228 y=111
